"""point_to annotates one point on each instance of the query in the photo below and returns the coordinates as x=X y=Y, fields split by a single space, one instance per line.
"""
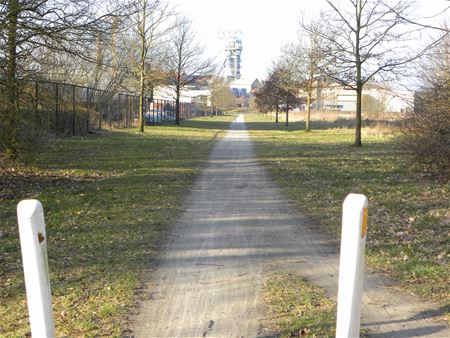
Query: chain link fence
x=67 y=109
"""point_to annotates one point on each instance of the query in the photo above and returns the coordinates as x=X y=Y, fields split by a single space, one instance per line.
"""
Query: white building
x=188 y=94
x=337 y=98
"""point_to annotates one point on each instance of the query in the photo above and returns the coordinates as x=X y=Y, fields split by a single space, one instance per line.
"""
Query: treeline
x=127 y=46
x=357 y=43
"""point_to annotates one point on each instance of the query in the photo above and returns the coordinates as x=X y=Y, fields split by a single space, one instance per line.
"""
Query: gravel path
x=235 y=230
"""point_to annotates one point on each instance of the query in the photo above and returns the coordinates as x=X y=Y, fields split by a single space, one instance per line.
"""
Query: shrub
x=427 y=126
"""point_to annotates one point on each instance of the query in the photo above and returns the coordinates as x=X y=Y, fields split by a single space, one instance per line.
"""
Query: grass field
x=409 y=216
x=299 y=309
x=108 y=200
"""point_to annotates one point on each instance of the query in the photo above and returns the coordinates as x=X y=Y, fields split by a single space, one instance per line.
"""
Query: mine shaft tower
x=233 y=48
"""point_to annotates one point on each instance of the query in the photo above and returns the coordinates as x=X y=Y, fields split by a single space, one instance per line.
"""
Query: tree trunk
x=114 y=70
x=358 y=141
x=142 y=87
x=359 y=83
x=98 y=61
x=142 y=70
x=308 y=112
x=151 y=91
x=287 y=115
x=141 y=106
x=177 y=105
x=276 y=115
x=10 y=138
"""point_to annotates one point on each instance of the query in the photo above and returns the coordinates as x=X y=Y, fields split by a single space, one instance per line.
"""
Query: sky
x=266 y=26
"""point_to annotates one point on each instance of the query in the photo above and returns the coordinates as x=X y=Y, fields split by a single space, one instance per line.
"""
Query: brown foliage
x=427 y=127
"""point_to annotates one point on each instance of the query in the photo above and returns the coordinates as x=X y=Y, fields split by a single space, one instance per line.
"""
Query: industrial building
x=335 y=97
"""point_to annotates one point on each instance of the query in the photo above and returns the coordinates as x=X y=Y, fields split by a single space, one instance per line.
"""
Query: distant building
x=256 y=84
x=336 y=97
x=242 y=90
x=188 y=94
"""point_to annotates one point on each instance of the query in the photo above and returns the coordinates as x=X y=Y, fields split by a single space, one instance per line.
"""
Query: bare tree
x=150 y=23
x=310 y=53
x=369 y=39
x=186 y=60
x=376 y=106
x=221 y=95
x=427 y=126
x=202 y=104
x=27 y=30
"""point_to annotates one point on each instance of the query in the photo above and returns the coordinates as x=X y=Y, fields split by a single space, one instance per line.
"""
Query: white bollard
x=33 y=244
x=351 y=266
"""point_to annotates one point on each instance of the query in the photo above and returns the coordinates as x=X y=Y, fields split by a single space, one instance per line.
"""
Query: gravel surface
x=237 y=228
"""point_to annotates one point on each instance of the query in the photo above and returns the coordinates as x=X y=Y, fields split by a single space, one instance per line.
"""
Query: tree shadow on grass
x=106 y=199
x=209 y=123
x=339 y=123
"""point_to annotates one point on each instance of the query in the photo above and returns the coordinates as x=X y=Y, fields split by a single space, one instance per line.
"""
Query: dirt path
x=236 y=228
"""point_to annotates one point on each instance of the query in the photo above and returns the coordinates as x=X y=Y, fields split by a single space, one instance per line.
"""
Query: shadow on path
x=235 y=230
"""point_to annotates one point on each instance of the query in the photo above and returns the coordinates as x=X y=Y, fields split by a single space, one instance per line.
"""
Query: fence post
x=99 y=108
x=119 y=113
x=73 y=110
x=126 y=111
x=157 y=106
x=153 y=115
x=161 y=117
x=173 y=106
x=351 y=265
x=33 y=242
x=132 y=109
x=56 y=107
x=109 y=111
x=36 y=103
x=88 y=108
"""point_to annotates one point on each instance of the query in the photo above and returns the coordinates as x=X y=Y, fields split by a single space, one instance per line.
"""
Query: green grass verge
x=409 y=216
x=300 y=308
x=108 y=200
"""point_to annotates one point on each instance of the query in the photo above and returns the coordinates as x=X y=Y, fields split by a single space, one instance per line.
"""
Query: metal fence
x=67 y=109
